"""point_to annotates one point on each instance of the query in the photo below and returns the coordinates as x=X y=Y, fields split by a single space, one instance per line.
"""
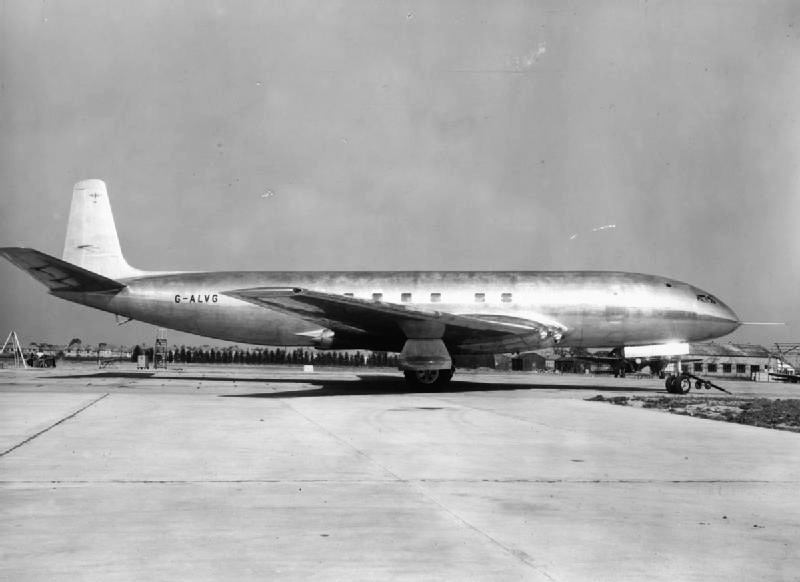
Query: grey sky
x=430 y=135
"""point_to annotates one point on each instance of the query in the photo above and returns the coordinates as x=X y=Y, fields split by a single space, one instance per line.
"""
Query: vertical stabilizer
x=92 y=241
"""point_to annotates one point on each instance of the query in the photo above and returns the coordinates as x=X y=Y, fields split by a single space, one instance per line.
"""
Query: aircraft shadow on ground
x=377 y=385
x=366 y=384
x=103 y=375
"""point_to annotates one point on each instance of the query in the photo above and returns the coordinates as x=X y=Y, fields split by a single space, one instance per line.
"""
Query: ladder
x=19 y=357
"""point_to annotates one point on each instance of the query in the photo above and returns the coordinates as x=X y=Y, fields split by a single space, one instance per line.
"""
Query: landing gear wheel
x=678 y=384
x=429 y=377
x=425 y=377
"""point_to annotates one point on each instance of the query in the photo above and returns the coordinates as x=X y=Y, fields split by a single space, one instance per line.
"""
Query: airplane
x=426 y=316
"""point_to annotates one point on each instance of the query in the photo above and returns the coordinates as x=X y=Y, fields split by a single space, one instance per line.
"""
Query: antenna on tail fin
x=92 y=242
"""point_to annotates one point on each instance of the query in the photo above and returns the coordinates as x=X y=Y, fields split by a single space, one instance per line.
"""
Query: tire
x=422 y=377
x=678 y=384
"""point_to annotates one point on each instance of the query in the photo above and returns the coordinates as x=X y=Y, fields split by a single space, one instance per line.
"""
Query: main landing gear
x=683 y=383
x=425 y=360
x=429 y=377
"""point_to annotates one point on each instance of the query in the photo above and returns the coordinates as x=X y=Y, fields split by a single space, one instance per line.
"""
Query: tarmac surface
x=240 y=473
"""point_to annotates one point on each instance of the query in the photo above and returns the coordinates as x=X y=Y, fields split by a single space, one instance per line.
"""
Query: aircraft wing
x=346 y=315
x=56 y=274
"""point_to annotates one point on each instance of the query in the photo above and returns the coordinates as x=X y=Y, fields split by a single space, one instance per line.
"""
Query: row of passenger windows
x=437 y=297
x=726 y=368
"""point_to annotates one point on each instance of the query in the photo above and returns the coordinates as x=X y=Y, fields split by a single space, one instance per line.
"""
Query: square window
x=712 y=369
x=698 y=366
x=377 y=296
x=436 y=297
x=480 y=297
x=755 y=368
x=505 y=297
x=726 y=368
x=405 y=297
x=741 y=369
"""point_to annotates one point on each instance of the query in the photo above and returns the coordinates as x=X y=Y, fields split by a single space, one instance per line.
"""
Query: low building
x=742 y=361
x=527 y=362
x=472 y=362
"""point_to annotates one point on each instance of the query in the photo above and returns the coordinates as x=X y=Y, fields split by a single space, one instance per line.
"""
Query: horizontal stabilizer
x=58 y=275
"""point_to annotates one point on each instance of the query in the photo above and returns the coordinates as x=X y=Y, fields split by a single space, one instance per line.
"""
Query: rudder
x=92 y=242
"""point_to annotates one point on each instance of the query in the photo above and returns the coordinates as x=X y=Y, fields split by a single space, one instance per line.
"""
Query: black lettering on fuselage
x=198 y=298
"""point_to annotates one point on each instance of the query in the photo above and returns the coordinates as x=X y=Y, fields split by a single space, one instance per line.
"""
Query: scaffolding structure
x=789 y=352
x=16 y=347
x=160 y=352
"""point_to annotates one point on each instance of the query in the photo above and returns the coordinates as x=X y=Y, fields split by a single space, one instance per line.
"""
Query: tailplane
x=92 y=242
x=57 y=275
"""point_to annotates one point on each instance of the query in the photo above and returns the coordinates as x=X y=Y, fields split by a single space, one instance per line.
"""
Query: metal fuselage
x=599 y=309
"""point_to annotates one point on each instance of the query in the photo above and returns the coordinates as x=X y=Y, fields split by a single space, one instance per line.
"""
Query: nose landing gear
x=683 y=383
x=678 y=384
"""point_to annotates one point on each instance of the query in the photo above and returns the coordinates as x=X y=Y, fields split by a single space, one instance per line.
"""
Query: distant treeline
x=193 y=355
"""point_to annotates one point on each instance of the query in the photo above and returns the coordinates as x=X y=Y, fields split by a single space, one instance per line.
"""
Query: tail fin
x=92 y=241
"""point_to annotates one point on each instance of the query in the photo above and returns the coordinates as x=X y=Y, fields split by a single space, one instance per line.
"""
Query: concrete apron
x=478 y=485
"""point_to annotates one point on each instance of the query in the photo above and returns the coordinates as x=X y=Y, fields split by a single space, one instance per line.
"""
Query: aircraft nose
x=727 y=317
x=724 y=320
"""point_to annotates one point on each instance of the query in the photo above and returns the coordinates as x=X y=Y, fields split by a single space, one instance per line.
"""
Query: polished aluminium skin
x=425 y=315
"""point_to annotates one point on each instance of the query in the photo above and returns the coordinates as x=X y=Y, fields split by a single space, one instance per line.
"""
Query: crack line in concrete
x=396 y=479
x=517 y=554
x=55 y=424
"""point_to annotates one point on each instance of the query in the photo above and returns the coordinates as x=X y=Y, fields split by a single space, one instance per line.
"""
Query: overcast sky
x=397 y=135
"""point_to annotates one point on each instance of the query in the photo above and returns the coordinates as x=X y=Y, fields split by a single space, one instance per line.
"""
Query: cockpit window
x=703 y=298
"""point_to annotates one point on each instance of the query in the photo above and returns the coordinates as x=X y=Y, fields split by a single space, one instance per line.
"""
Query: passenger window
x=505 y=297
x=480 y=297
x=377 y=296
x=436 y=297
x=405 y=297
